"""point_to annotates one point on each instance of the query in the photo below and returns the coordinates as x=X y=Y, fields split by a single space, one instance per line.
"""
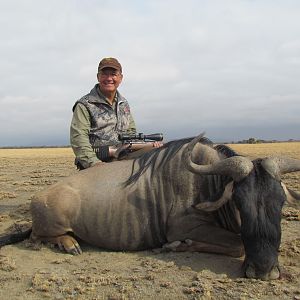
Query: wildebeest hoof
x=172 y=246
x=189 y=242
x=68 y=244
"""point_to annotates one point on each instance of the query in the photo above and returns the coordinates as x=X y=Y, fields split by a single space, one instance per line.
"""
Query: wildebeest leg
x=53 y=215
x=208 y=238
x=195 y=246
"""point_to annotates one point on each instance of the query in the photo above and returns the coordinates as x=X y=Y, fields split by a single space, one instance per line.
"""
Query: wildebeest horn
x=279 y=165
x=237 y=167
x=292 y=197
x=211 y=206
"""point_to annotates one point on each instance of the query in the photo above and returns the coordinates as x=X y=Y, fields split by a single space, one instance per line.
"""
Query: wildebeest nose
x=273 y=274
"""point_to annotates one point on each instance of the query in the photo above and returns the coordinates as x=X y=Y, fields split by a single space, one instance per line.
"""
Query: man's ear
x=98 y=76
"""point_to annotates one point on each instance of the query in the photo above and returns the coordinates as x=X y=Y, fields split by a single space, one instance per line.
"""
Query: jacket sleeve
x=79 y=137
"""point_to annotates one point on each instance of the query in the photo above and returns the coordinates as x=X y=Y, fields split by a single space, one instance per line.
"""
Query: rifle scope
x=141 y=136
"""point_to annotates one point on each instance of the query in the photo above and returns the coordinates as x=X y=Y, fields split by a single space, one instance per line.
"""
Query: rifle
x=130 y=143
x=139 y=141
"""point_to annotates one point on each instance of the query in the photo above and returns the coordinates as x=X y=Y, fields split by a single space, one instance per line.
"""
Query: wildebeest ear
x=292 y=197
x=211 y=206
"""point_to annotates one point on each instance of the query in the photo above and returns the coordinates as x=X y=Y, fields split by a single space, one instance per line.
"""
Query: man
x=99 y=117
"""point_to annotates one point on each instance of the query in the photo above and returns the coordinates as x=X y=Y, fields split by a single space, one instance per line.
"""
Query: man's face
x=109 y=79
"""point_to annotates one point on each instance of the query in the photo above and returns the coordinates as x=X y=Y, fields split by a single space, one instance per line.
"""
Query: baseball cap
x=109 y=62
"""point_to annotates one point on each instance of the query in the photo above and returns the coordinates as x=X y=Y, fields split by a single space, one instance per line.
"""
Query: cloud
x=224 y=67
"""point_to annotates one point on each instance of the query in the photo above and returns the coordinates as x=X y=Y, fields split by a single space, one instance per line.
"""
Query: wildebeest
x=186 y=196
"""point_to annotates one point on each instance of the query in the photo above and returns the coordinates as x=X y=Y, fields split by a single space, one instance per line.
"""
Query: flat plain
x=29 y=271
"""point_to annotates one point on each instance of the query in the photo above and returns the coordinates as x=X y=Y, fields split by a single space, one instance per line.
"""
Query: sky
x=228 y=68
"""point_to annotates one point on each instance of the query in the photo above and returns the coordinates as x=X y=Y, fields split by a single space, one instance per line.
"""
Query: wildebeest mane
x=149 y=159
x=226 y=150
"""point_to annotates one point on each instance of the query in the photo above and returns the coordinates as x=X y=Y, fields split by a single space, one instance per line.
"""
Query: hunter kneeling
x=100 y=117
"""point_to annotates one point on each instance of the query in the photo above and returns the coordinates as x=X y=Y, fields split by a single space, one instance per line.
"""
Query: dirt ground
x=30 y=271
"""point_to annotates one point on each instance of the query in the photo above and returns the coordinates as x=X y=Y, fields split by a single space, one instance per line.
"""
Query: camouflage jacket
x=100 y=124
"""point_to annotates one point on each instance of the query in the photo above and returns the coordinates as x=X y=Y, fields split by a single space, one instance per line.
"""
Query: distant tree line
x=253 y=140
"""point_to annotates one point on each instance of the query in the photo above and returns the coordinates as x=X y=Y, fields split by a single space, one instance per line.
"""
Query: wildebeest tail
x=12 y=238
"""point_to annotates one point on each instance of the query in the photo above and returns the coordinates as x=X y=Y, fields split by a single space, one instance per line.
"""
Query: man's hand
x=157 y=144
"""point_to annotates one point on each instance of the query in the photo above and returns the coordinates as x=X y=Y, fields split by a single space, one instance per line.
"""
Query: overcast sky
x=229 y=68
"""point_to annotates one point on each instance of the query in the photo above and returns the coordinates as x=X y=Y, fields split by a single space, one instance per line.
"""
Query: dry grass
x=262 y=150
x=36 y=152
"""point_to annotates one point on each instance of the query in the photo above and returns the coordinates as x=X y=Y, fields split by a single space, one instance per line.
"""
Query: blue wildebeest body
x=115 y=209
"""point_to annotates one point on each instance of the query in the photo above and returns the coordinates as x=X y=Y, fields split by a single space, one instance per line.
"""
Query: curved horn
x=211 y=206
x=292 y=197
x=279 y=165
x=237 y=167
